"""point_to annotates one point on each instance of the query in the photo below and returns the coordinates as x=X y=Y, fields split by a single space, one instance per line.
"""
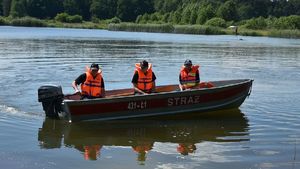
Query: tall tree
x=166 y=5
x=186 y=16
x=44 y=8
x=285 y=8
x=176 y=17
x=205 y=13
x=128 y=10
x=260 y=7
x=296 y=7
x=18 y=8
x=1 y=8
x=6 y=7
x=85 y=6
x=228 y=11
x=245 y=11
x=104 y=9
x=71 y=7
x=125 y=10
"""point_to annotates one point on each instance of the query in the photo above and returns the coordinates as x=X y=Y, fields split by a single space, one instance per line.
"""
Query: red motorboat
x=122 y=103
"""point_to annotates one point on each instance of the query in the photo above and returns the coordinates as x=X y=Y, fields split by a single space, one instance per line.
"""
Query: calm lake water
x=263 y=133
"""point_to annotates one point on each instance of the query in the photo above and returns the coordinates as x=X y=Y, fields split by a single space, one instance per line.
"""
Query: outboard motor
x=51 y=97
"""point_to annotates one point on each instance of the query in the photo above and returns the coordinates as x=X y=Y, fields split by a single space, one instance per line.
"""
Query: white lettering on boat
x=137 y=105
x=177 y=101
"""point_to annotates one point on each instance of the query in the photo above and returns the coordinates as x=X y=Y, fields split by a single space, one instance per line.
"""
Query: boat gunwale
x=91 y=101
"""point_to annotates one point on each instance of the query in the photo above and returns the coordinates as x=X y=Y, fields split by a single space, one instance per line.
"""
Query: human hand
x=77 y=92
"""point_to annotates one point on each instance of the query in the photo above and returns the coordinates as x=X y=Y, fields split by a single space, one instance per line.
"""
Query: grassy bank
x=202 y=30
x=159 y=28
x=33 y=22
x=83 y=25
x=132 y=27
x=167 y=28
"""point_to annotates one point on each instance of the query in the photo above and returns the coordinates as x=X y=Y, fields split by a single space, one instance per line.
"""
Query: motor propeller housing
x=51 y=97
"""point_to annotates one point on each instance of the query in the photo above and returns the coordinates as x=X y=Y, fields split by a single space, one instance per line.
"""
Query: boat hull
x=226 y=95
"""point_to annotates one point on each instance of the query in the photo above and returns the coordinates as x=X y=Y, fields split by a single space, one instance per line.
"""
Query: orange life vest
x=186 y=148
x=91 y=152
x=92 y=86
x=189 y=78
x=206 y=85
x=142 y=148
x=145 y=80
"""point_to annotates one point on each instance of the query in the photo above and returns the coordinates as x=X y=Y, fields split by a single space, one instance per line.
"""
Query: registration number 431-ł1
x=137 y=105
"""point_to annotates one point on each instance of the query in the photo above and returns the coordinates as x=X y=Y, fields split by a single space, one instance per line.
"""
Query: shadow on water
x=141 y=134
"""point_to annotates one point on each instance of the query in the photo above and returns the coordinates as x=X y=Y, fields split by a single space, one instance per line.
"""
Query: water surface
x=263 y=133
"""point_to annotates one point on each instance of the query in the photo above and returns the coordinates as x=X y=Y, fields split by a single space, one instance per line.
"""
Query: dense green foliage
x=289 y=22
x=254 y=17
x=44 y=8
x=28 y=21
x=1 y=7
x=171 y=11
x=198 y=29
x=256 y=23
x=64 y=17
x=217 y=22
x=2 y=21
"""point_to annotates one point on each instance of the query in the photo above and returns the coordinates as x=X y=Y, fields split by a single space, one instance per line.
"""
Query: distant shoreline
x=202 y=30
x=154 y=28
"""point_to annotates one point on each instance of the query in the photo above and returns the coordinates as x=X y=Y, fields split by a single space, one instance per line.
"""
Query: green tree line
x=175 y=11
x=127 y=10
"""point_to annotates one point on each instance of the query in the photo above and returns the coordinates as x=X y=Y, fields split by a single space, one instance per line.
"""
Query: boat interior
x=160 y=89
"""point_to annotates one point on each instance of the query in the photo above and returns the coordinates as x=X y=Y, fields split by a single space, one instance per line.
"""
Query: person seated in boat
x=186 y=148
x=142 y=148
x=189 y=77
x=144 y=78
x=92 y=83
x=90 y=152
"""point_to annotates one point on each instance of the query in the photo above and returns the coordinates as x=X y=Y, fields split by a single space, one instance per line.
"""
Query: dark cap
x=188 y=62
x=144 y=64
x=94 y=66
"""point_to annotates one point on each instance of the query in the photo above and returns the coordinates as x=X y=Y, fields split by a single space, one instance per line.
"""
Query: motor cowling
x=51 y=97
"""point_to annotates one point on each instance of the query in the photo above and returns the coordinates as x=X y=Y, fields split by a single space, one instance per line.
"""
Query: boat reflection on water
x=141 y=134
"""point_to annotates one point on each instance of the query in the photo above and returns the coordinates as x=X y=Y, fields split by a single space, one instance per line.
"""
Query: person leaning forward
x=189 y=77
x=92 y=83
x=144 y=78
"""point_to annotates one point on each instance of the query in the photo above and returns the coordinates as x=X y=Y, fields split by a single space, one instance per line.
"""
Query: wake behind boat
x=122 y=103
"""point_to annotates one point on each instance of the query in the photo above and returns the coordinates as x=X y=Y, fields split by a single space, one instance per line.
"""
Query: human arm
x=153 y=83
x=197 y=78
x=102 y=88
x=137 y=90
x=80 y=79
x=75 y=87
x=181 y=85
x=153 y=87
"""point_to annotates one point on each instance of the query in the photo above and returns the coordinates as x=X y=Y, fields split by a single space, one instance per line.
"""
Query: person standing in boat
x=92 y=83
x=144 y=78
x=189 y=77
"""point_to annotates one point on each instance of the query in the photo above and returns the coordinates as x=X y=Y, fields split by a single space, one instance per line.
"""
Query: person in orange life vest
x=92 y=83
x=144 y=78
x=142 y=149
x=189 y=77
x=186 y=148
x=91 y=152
